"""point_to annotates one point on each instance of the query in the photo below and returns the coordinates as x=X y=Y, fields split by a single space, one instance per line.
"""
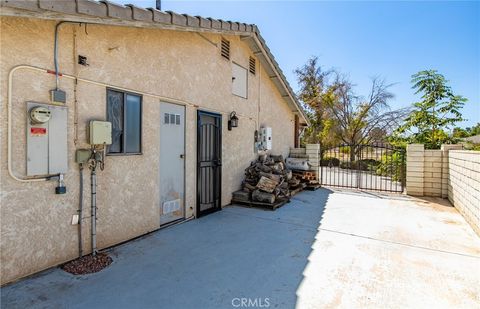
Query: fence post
x=415 y=169
x=313 y=153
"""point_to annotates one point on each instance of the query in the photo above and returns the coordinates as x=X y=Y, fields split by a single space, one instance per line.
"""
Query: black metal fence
x=378 y=167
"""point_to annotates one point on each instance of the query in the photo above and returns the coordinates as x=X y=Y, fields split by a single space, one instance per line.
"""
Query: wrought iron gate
x=378 y=167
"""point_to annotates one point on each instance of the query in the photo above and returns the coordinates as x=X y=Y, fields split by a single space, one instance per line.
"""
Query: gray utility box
x=47 y=152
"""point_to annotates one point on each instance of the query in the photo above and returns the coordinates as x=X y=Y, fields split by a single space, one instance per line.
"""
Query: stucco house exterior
x=167 y=82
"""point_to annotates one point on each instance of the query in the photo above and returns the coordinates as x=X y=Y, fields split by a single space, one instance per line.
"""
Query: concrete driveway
x=325 y=249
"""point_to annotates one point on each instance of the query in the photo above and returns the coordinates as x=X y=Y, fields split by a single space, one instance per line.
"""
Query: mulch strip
x=88 y=264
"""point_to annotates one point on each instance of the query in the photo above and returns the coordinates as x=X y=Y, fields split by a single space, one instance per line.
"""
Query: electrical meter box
x=47 y=152
x=266 y=138
x=100 y=132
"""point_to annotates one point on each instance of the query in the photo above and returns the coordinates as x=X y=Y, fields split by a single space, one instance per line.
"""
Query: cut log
x=263 y=168
x=248 y=186
x=278 y=158
x=241 y=196
x=293 y=182
x=266 y=184
x=260 y=196
x=274 y=177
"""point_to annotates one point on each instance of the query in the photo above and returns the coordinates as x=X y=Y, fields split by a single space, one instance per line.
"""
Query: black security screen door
x=209 y=163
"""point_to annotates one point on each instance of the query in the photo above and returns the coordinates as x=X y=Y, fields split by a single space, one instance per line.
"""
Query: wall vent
x=225 y=49
x=252 y=65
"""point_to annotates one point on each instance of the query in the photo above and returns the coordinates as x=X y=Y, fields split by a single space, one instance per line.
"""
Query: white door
x=172 y=162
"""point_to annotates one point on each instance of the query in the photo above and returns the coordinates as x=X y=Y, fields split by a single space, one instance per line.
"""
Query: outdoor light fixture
x=233 y=121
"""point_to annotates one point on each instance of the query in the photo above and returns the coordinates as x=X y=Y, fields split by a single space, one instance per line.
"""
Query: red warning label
x=38 y=131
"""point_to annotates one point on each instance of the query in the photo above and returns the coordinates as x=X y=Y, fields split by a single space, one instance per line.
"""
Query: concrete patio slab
x=325 y=249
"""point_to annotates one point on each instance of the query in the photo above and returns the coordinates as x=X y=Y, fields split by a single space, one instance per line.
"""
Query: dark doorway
x=209 y=162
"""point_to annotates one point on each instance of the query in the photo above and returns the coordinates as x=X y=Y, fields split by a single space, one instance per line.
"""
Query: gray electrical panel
x=47 y=152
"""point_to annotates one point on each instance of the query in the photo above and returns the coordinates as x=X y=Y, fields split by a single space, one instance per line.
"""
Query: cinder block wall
x=433 y=174
x=415 y=169
x=464 y=185
x=448 y=173
x=313 y=153
x=427 y=170
x=310 y=152
x=298 y=153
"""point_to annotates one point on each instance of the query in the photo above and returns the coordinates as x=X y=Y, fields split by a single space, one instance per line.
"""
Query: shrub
x=361 y=165
x=391 y=165
x=330 y=161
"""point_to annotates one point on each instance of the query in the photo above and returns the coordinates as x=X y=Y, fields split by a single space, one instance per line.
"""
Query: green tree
x=475 y=130
x=315 y=95
x=362 y=119
x=460 y=132
x=438 y=110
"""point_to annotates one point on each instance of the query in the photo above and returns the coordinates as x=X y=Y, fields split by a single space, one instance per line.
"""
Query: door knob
x=182 y=156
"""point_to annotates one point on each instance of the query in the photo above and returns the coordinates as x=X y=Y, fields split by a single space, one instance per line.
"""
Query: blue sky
x=392 y=40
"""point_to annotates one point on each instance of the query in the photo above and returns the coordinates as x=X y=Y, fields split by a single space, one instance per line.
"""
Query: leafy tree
x=361 y=119
x=460 y=133
x=314 y=94
x=470 y=131
x=438 y=110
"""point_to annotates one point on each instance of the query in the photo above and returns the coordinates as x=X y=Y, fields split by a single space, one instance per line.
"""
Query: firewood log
x=241 y=196
x=266 y=184
x=278 y=158
x=248 y=186
x=274 y=177
x=260 y=196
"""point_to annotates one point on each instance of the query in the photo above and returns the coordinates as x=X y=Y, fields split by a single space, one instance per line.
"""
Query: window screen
x=124 y=111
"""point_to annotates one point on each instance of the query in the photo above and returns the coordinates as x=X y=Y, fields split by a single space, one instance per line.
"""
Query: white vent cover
x=171 y=206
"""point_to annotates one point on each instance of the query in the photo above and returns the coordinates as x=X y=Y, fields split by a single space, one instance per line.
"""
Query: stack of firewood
x=266 y=180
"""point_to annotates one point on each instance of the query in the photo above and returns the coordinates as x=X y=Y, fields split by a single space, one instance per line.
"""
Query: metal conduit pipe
x=93 y=177
x=42 y=70
x=80 y=214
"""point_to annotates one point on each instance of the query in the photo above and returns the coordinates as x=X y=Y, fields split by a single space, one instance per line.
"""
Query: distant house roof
x=473 y=139
x=106 y=12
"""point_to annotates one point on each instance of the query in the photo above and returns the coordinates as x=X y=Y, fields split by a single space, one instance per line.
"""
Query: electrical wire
x=71 y=77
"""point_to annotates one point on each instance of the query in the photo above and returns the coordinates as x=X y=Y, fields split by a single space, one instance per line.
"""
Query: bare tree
x=358 y=116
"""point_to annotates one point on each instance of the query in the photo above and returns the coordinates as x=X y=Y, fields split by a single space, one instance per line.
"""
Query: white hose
x=9 y=122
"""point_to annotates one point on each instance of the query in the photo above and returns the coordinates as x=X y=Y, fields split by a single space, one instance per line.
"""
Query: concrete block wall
x=310 y=152
x=432 y=173
x=464 y=185
x=313 y=153
x=448 y=172
x=427 y=170
x=298 y=153
x=415 y=169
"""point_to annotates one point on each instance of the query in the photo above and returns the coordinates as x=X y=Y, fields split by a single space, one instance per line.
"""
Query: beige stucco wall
x=35 y=223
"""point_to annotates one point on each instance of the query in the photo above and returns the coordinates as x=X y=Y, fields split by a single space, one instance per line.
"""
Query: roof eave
x=108 y=13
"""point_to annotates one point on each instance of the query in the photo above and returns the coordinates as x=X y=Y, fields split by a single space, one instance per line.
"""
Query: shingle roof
x=130 y=15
